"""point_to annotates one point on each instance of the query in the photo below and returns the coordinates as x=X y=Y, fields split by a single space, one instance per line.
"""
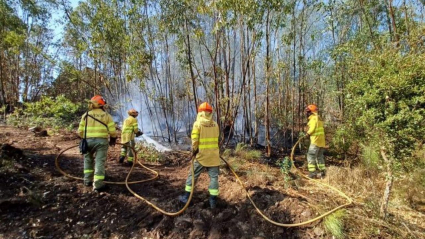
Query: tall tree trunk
x=406 y=18
x=388 y=185
x=189 y=59
x=294 y=71
x=268 y=72
x=391 y=10
x=2 y=79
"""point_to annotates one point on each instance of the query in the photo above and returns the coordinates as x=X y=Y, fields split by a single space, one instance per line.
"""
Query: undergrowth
x=57 y=113
x=244 y=152
x=148 y=153
x=334 y=224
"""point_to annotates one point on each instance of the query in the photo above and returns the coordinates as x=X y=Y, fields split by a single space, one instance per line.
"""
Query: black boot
x=213 y=202
x=88 y=183
x=121 y=160
x=312 y=175
x=183 y=198
x=102 y=189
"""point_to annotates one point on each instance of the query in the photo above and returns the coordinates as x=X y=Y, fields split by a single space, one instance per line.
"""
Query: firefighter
x=130 y=129
x=96 y=125
x=205 y=148
x=316 y=132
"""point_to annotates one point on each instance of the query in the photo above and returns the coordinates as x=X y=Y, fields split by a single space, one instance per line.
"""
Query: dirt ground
x=37 y=201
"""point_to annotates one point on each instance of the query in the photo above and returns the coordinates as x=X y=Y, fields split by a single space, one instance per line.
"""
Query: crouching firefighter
x=95 y=126
x=205 y=134
x=130 y=129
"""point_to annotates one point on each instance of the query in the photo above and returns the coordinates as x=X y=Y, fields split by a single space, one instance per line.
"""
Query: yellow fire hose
x=349 y=200
x=126 y=182
x=154 y=206
x=108 y=182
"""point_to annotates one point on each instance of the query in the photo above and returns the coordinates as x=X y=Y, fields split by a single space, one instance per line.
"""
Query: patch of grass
x=227 y=153
x=240 y=147
x=245 y=153
x=260 y=175
x=334 y=223
x=370 y=157
x=235 y=163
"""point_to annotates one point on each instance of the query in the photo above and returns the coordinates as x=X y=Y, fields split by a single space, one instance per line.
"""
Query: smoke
x=135 y=99
x=132 y=99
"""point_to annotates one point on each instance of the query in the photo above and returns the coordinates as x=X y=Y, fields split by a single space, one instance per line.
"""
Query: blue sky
x=56 y=22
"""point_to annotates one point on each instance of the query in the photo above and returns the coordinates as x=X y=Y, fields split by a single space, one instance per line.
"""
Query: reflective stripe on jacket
x=94 y=128
x=129 y=128
x=205 y=135
x=316 y=130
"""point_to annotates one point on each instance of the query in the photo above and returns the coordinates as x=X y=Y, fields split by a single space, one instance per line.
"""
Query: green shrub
x=334 y=223
x=385 y=97
x=285 y=165
x=148 y=153
x=341 y=142
x=57 y=113
x=370 y=157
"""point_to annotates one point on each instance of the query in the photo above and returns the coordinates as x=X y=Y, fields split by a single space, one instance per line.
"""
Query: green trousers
x=315 y=158
x=126 y=150
x=212 y=173
x=94 y=161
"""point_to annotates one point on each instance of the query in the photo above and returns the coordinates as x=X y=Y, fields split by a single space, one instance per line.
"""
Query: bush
x=148 y=153
x=385 y=100
x=370 y=157
x=47 y=112
x=341 y=142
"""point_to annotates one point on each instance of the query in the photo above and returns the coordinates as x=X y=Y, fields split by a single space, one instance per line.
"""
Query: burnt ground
x=37 y=201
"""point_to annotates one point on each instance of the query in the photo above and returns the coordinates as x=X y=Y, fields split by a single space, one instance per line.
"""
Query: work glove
x=195 y=152
x=112 y=141
x=139 y=133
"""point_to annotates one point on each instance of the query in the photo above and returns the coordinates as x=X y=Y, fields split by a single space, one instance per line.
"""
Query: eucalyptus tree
x=12 y=38
x=25 y=58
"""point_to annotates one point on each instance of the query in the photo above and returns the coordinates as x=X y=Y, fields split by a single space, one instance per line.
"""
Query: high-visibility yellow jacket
x=129 y=128
x=316 y=130
x=205 y=135
x=94 y=128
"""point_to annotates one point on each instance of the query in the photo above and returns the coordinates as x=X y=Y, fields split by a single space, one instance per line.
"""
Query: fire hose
x=127 y=183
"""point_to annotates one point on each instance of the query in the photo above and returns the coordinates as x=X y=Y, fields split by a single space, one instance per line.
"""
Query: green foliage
x=386 y=103
x=285 y=167
x=341 y=142
x=370 y=157
x=245 y=153
x=148 y=153
x=334 y=223
x=240 y=147
x=48 y=112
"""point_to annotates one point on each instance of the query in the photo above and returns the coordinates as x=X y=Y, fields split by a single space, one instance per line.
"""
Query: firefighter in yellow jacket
x=205 y=134
x=96 y=126
x=130 y=128
x=316 y=131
